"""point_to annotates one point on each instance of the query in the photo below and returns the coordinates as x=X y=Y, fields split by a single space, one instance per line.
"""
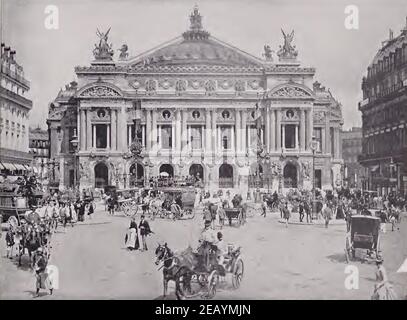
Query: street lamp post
x=74 y=143
x=313 y=147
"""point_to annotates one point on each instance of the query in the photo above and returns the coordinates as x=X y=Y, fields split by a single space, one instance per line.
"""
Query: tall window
x=318 y=138
x=196 y=137
x=226 y=137
x=289 y=142
x=101 y=136
x=70 y=135
x=166 y=137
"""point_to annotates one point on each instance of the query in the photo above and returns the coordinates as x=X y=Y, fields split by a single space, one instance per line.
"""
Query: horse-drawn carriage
x=234 y=214
x=162 y=206
x=364 y=234
x=191 y=278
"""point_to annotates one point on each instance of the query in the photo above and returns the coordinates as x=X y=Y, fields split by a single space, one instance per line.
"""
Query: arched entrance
x=136 y=175
x=225 y=176
x=166 y=170
x=196 y=170
x=290 y=176
x=101 y=175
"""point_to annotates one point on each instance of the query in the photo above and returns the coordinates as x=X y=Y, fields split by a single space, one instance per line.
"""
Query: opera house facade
x=204 y=108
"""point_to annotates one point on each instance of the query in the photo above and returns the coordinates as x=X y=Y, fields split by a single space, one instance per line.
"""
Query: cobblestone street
x=298 y=262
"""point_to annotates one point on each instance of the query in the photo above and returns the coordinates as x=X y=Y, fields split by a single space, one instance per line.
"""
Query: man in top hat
x=144 y=231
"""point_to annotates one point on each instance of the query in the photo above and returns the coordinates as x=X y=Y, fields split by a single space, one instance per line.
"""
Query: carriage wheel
x=126 y=209
x=180 y=284
x=238 y=271
x=213 y=280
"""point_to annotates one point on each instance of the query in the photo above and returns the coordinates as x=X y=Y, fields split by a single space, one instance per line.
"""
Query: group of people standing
x=132 y=235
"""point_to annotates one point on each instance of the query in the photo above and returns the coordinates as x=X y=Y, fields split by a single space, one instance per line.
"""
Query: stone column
x=108 y=137
x=327 y=134
x=129 y=140
x=184 y=132
x=214 y=131
x=232 y=138
x=178 y=131
x=323 y=138
x=278 y=130
x=310 y=128
x=283 y=139
x=154 y=131
x=296 y=137
x=121 y=130
x=272 y=130
x=243 y=131
x=93 y=146
x=113 y=126
x=337 y=143
x=143 y=136
x=83 y=130
x=174 y=137
x=302 y=130
x=208 y=132
x=267 y=129
x=148 y=130
x=89 y=144
x=238 y=132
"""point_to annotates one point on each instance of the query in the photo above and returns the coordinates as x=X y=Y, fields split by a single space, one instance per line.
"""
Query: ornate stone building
x=384 y=116
x=197 y=100
x=39 y=149
x=14 y=110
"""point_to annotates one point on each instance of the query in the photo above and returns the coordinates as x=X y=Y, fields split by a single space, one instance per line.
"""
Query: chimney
x=2 y=48
x=6 y=51
x=391 y=35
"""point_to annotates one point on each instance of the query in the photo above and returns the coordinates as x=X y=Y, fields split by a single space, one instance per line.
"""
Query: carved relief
x=240 y=86
x=210 y=86
x=319 y=116
x=225 y=84
x=180 y=86
x=255 y=84
x=166 y=84
x=100 y=91
x=151 y=86
x=84 y=169
x=195 y=84
x=290 y=92
x=290 y=115
x=275 y=168
x=136 y=84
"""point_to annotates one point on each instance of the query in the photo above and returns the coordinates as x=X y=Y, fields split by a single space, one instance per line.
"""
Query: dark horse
x=181 y=268
x=31 y=240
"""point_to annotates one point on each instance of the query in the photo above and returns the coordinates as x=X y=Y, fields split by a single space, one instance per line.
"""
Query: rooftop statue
x=268 y=53
x=287 y=51
x=103 y=51
x=123 y=51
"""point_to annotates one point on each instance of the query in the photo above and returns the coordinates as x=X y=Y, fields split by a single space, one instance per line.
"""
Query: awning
x=9 y=166
x=2 y=167
x=19 y=166
x=26 y=168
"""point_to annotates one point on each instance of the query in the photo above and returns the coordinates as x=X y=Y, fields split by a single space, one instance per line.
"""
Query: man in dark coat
x=144 y=231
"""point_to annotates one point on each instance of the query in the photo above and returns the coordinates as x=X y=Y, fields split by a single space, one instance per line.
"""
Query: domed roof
x=196 y=47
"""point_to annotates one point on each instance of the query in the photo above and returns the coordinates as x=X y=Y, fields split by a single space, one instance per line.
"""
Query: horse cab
x=364 y=234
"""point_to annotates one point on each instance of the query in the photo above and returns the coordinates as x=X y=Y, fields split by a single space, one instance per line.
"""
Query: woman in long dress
x=131 y=240
x=383 y=290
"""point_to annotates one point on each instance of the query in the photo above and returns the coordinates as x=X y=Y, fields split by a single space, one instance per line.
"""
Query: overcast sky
x=340 y=56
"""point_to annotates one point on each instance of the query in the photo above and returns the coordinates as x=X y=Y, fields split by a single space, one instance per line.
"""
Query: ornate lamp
x=75 y=143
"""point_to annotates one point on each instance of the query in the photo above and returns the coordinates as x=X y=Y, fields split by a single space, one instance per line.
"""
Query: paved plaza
x=298 y=262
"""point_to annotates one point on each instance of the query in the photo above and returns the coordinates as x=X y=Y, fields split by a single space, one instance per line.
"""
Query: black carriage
x=184 y=197
x=192 y=282
x=364 y=234
x=235 y=214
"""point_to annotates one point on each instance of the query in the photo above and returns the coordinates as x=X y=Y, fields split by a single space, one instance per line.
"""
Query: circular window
x=166 y=114
x=225 y=114
x=289 y=114
x=196 y=114
x=101 y=113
